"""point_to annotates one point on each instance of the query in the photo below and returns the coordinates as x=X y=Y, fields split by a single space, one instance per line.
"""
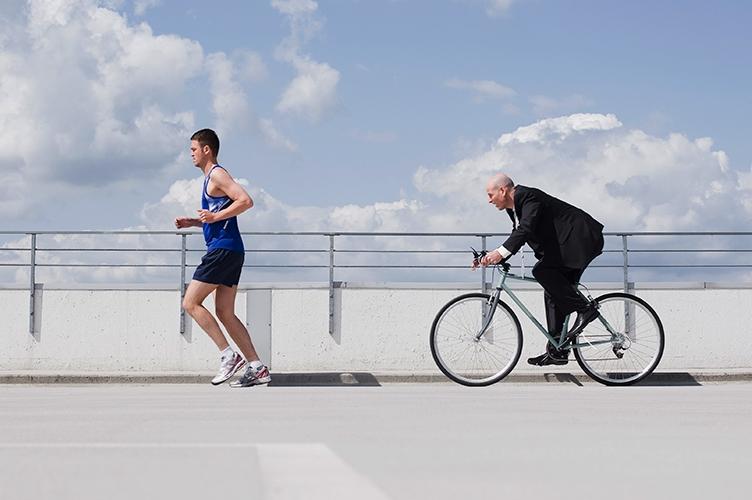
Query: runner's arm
x=183 y=222
x=241 y=200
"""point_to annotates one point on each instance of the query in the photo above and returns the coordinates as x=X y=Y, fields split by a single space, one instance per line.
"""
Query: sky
x=376 y=115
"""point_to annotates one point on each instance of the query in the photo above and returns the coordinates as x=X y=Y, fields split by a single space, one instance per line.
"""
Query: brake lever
x=478 y=255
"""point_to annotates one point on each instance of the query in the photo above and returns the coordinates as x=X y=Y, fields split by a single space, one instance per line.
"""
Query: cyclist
x=564 y=238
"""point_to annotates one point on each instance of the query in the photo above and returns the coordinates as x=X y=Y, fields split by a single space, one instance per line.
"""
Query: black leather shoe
x=583 y=319
x=550 y=357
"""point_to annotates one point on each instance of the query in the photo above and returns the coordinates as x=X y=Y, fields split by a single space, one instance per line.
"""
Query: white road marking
x=290 y=471
x=312 y=472
x=124 y=445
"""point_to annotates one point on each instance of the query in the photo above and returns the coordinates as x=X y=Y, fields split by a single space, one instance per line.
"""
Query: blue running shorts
x=220 y=267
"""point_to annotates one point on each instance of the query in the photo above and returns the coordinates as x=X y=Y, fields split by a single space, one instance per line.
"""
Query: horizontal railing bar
x=314 y=266
x=405 y=251
x=267 y=250
x=688 y=250
x=252 y=233
x=282 y=266
x=729 y=266
x=445 y=267
x=681 y=233
x=108 y=250
x=694 y=250
x=400 y=267
x=360 y=233
x=107 y=265
x=165 y=250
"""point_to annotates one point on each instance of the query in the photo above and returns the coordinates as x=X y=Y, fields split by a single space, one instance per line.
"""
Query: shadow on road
x=562 y=378
x=671 y=379
x=336 y=379
x=668 y=379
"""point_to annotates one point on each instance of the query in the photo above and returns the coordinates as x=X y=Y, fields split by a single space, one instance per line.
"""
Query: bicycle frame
x=503 y=287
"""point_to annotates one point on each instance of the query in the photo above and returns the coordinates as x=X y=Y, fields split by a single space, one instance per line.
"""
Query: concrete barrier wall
x=377 y=329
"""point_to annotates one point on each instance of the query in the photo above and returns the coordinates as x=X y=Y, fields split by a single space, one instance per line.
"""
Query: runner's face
x=199 y=154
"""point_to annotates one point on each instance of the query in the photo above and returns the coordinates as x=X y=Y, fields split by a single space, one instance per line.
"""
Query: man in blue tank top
x=222 y=200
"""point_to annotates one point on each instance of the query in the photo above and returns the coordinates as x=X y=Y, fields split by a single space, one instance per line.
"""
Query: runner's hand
x=183 y=222
x=206 y=216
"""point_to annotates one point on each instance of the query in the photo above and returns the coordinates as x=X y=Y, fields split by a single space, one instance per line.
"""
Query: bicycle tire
x=615 y=371
x=455 y=370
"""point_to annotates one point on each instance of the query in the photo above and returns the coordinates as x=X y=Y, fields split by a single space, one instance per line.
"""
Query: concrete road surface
x=396 y=441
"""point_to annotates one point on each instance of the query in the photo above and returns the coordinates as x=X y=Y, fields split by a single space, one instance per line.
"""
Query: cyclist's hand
x=491 y=258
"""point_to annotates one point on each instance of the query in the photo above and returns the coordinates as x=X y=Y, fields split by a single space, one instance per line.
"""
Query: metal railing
x=622 y=251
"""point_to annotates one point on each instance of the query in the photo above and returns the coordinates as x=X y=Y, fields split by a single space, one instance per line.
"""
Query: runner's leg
x=193 y=305
x=225 y=307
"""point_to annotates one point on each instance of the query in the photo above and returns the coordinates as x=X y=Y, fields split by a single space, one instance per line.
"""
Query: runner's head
x=204 y=147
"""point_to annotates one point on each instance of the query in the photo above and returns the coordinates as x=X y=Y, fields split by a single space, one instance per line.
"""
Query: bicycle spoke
x=638 y=339
x=471 y=360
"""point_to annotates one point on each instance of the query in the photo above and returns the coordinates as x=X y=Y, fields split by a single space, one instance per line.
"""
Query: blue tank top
x=221 y=234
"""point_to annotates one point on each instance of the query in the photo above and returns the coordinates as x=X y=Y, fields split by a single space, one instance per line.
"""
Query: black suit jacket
x=560 y=234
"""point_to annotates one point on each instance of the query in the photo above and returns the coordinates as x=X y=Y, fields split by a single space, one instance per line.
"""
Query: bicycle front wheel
x=624 y=345
x=467 y=359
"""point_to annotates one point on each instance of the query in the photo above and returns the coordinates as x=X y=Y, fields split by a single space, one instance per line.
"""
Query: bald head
x=500 y=189
x=499 y=180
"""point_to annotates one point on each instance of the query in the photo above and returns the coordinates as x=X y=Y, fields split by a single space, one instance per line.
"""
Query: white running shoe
x=252 y=377
x=228 y=367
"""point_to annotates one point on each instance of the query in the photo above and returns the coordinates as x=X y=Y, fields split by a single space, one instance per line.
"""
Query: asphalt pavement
x=561 y=440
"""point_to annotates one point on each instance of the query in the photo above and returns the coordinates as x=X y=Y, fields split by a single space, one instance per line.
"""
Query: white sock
x=227 y=352
x=256 y=365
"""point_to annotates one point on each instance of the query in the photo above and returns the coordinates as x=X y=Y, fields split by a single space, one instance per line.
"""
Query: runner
x=222 y=200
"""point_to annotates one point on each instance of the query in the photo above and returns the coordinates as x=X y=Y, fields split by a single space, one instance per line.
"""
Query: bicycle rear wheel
x=632 y=352
x=465 y=359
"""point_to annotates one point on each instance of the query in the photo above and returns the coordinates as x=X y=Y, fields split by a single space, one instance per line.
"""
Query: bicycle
x=476 y=338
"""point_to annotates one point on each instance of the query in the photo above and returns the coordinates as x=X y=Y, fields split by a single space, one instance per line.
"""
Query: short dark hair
x=207 y=137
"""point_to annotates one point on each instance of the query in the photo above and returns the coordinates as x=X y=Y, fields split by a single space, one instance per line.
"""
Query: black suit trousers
x=561 y=297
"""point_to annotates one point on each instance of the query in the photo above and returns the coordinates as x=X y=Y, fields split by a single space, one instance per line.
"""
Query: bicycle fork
x=488 y=314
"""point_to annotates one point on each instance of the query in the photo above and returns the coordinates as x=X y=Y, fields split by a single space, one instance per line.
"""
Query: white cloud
x=251 y=66
x=483 y=89
x=89 y=99
x=230 y=104
x=295 y=7
x=229 y=101
x=313 y=91
x=274 y=137
x=141 y=6
x=626 y=178
x=79 y=89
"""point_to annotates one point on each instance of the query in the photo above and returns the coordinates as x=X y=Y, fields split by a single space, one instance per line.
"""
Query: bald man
x=564 y=239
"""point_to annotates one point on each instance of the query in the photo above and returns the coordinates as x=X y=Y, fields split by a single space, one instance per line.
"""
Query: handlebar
x=479 y=255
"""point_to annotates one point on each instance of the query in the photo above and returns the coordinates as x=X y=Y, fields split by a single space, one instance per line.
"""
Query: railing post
x=182 y=282
x=484 y=286
x=625 y=256
x=331 y=284
x=32 y=280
